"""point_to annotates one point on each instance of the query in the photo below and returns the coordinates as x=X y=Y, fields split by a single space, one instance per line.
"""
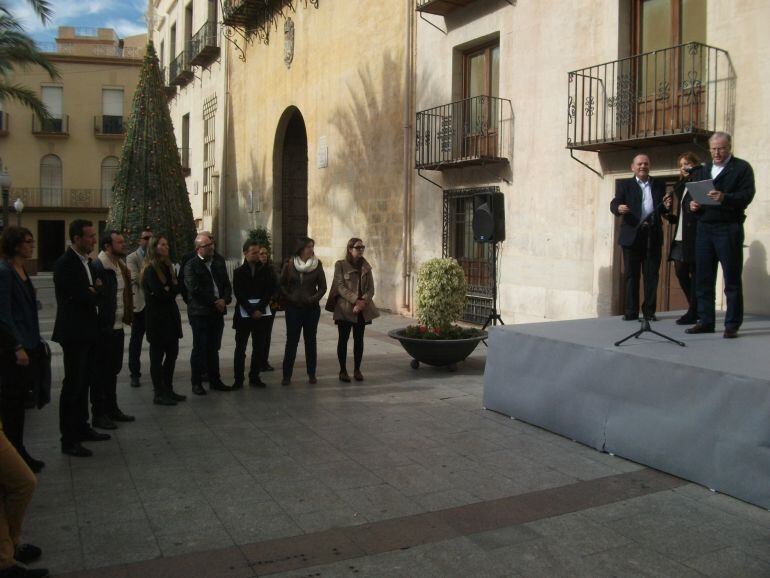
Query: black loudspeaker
x=489 y=217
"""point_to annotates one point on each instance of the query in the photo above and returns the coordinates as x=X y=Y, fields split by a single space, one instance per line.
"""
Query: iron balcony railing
x=677 y=94
x=96 y=50
x=204 y=45
x=109 y=125
x=441 y=7
x=5 y=121
x=44 y=197
x=180 y=71
x=471 y=131
x=51 y=126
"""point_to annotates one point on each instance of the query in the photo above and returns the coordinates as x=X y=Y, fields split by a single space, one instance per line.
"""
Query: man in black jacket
x=640 y=201
x=253 y=285
x=76 y=330
x=208 y=294
x=720 y=234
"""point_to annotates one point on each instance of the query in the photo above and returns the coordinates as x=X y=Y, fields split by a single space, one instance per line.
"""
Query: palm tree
x=17 y=50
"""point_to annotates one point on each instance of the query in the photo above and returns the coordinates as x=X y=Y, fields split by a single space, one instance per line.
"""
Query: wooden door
x=480 y=112
x=294 y=205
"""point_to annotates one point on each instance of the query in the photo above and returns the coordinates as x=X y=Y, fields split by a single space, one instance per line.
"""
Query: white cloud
x=127 y=27
x=88 y=13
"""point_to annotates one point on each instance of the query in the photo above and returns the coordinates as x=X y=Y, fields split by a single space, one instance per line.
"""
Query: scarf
x=308 y=266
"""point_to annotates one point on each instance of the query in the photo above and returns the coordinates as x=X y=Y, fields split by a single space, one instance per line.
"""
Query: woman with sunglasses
x=351 y=295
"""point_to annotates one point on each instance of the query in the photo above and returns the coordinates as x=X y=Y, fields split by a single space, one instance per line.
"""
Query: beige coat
x=346 y=285
x=134 y=261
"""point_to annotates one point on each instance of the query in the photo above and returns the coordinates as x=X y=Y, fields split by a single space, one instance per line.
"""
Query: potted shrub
x=440 y=302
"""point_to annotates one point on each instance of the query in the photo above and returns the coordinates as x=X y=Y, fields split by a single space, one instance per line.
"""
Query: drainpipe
x=223 y=181
x=409 y=65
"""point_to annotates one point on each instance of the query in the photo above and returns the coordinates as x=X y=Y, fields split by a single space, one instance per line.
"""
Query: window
x=110 y=167
x=184 y=152
x=482 y=72
x=112 y=111
x=162 y=54
x=53 y=97
x=481 y=110
x=209 y=127
x=188 y=25
x=172 y=42
x=50 y=181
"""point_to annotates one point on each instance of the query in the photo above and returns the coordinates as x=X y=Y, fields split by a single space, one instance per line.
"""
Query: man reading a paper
x=720 y=234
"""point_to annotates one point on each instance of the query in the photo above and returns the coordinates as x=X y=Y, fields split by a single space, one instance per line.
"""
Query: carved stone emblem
x=288 y=42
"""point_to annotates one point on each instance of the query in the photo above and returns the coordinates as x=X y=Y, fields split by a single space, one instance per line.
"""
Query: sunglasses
x=359 y=247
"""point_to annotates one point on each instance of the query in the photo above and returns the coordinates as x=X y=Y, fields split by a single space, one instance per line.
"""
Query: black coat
x=217 y=261
x=108 y=297
x=683 y=250
x=18 y=307
x=200 y=290
x=162 y=321
x=736 y=181
x=261 y=285
x=76 y=315
x=628 y=192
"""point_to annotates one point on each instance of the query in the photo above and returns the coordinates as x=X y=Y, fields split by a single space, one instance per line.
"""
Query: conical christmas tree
x=149 y=189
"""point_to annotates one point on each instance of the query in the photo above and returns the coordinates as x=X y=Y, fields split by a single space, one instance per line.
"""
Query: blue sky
x=125 y=16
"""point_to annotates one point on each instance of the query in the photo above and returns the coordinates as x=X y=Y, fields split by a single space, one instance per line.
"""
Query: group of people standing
x=706 y=235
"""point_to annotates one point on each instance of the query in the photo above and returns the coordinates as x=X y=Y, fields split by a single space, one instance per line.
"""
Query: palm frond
x=25 y=97
x=18 y=50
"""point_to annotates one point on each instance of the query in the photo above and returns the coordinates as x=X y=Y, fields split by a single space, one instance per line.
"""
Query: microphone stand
x=645 y=328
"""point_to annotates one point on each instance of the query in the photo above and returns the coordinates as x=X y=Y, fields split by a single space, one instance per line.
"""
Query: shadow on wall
x=756 y=281
x=604 y=306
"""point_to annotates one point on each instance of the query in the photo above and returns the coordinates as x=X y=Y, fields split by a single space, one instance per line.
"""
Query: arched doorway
x=290 y=162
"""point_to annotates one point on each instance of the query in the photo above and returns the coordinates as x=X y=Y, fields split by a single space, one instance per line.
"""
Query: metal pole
x=6 y=193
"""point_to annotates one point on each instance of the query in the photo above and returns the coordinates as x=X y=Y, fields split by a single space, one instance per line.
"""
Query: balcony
x=73 y=200
x=675 y=95
x=51 y=127
x=204 y=46
x=169 y=88
x=107 y=126
x=258 y=17
x=473 y=131
x=184 y=157
x=5 y=120
x=441 y=7
x=180 y=71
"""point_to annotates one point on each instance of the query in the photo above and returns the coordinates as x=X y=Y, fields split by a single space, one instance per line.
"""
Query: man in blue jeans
x=720 y=235
x=208 y=293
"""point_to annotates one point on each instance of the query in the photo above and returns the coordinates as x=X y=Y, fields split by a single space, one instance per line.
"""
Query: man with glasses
x=135 y=261
x=720 y=234
x=208 y=293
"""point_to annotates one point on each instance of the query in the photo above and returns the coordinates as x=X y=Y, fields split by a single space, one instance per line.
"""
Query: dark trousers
x=302 y=320
x=15 y=384
x=135 y=344
x=639 y=262
x=104 y=385
x=162 y=364
x=343 y=329
x=73 y=402
x=268 y=321
x=207 y=339
x=719 y=243
x=257 y=331
x=685 y=273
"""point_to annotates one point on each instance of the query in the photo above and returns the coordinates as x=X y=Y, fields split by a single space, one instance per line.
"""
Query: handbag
x=331 y=301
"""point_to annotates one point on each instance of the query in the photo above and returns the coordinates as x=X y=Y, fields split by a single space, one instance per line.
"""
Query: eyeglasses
x=146 y=238
x=359 y=247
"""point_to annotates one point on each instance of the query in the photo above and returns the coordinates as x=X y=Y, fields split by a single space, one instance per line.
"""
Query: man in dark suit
x=720 y=234
x=76 y=330
x=640 y=201
x=208 y=293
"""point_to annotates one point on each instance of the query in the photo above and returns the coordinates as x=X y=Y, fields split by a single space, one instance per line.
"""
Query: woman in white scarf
x=303 y=285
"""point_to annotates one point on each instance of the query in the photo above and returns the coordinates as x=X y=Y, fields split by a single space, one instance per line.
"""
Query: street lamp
x=18 y=206
x=5 y=185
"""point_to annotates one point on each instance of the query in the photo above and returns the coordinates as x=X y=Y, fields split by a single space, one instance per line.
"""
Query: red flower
x=423 y=329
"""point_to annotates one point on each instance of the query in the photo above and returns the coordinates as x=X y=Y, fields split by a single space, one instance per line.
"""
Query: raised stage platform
x=701 y=412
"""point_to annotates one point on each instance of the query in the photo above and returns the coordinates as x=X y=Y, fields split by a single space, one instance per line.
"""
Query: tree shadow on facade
x=756 y=279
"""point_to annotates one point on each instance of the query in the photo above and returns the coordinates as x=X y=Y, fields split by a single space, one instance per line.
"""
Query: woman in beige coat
x=352 y=292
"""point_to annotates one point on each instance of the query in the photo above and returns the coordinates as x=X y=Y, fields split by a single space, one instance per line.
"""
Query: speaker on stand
x=489 y=227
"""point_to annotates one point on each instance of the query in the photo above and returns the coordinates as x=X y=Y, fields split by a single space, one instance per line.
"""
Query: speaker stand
x=494 y=317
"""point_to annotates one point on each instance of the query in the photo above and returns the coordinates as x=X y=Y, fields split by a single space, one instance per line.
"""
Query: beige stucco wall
x=557 y=261
x=347 y=80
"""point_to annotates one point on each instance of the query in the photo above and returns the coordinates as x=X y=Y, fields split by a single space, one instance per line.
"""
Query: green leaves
x=441 y=293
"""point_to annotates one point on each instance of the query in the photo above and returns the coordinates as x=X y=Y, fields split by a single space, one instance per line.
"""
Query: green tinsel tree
x=149 y=189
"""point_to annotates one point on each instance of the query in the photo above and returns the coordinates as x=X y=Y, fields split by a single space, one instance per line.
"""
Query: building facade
x=63 y=169
x=549 y=111
x=187 y=37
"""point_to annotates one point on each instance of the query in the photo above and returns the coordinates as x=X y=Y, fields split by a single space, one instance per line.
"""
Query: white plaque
x=322 y=156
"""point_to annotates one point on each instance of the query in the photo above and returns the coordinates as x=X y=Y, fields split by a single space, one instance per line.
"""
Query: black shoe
x=730 y=333
x=256 y=382
x=267 y=367
x=163 y=399
x=76 y=450
x=92 y=435
x=219 y=386
x=36 y=466
x=700 y=328
x=118 y=415
x=628 y=317
x=312 y=379
x=17 y=571
x=286 y=381
x=177 y=396
x=27 y=553
x=358 y=375
x=236 y=385
x=197 y=389
x=103 y=422
x=344 y=376
x=651 y=317
x=205 y=377
x=687 y=319
x=135 y=381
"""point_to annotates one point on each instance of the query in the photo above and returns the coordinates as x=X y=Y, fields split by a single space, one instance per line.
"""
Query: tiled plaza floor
x=402 y=475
